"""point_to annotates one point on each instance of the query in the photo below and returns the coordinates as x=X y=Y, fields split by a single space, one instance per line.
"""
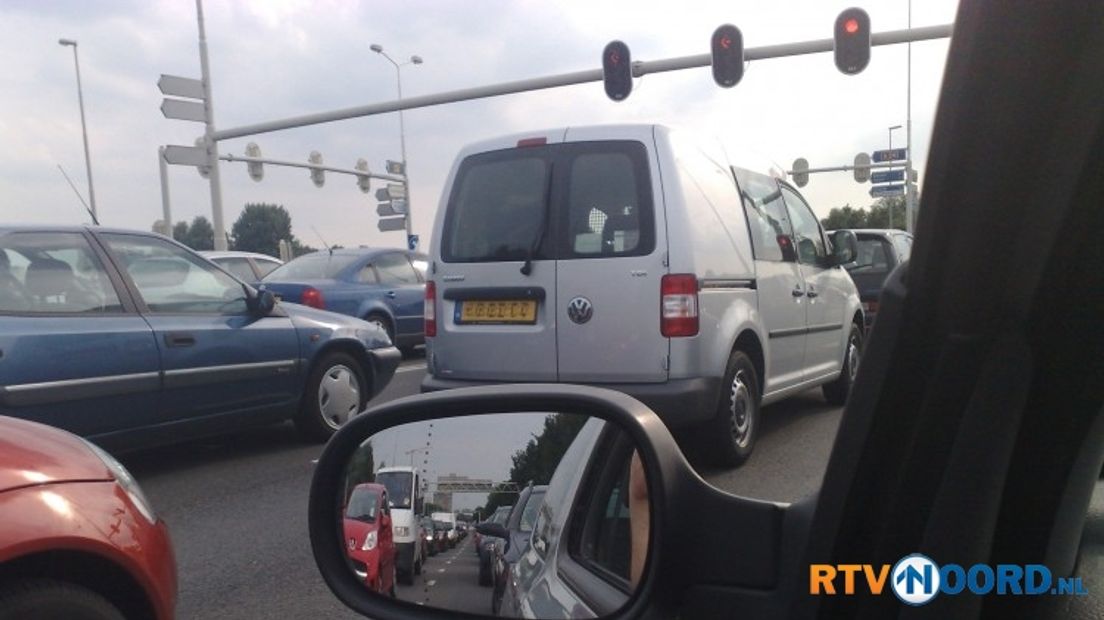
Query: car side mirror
x=845 y=248
x=260 y=303
x=785 y=243
x=385 y=520
x=491 y=529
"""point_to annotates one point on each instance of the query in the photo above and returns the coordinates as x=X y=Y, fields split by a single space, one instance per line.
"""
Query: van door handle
x=390 y=294
x=798 y=291
x=812 y=291
x=179 y=340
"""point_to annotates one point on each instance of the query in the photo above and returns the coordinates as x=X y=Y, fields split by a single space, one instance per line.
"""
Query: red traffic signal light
x=727 y=47
x=852 y=41
x=617 y=70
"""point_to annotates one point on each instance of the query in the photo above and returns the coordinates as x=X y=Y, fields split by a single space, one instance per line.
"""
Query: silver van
x=631 y=258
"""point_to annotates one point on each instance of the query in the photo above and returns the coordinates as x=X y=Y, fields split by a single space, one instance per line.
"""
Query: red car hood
x=32 y=453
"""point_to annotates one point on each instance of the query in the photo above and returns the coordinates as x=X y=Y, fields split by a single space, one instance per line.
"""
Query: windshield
x=318 y=266
x=363 y=505
x=398 y=485
x=873 y=256
x=441 y=525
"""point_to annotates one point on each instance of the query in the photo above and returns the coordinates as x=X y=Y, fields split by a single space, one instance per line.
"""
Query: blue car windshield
x=318 y=266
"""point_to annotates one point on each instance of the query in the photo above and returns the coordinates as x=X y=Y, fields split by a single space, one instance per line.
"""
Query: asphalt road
x=237 y=510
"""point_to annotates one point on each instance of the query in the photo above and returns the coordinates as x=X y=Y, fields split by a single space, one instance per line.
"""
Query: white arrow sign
x=396 y=190
x=186 y=155
x=183 y=110
x=388 y=224
x=176 y=86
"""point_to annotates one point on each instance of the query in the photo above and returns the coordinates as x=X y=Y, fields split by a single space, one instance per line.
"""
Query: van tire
x=836 y=392
x=735 y=426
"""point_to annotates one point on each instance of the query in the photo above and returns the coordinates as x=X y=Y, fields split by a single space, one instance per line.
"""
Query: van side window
x=768 y=221
x=603 y=205
x=811 y=248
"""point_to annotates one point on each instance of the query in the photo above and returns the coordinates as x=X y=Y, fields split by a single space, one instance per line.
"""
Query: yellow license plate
x=498 y=311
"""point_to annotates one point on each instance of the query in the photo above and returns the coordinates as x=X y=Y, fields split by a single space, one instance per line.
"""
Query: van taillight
x=312 y=297
x=430 y=312
x=525 y=142
x=678 y=305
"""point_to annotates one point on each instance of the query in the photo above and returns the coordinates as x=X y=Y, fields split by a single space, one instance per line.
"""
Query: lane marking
x=440 y=570
x=410 y=368
x=431 y=583
x=314 y=461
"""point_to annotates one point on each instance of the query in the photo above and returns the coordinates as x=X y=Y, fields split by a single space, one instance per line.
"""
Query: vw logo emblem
x=580 y=310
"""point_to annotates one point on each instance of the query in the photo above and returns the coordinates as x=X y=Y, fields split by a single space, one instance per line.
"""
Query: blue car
x=131 y=339
x=380 y=285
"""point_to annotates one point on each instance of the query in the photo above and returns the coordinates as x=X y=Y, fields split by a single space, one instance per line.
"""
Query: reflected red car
x=79 y=539
x=369 y=540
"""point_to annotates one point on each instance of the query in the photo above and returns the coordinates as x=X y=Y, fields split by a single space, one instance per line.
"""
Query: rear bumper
x=384 y=362
x=678 y=402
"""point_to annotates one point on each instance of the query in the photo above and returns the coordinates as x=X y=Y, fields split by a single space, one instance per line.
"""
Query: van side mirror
x=491 y=529
x=786 y=244
x=845 y=248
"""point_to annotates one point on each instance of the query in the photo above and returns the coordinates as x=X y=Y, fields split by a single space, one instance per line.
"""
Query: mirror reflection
x=483 y=514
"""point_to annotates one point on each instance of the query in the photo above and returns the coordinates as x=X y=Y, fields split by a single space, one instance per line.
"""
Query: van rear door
x=610 y=246
x=495 y=322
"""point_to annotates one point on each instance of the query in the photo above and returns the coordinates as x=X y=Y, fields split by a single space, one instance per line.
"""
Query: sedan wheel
x=336 y=391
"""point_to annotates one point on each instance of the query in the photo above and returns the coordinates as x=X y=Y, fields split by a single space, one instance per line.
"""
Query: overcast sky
x=273 y=59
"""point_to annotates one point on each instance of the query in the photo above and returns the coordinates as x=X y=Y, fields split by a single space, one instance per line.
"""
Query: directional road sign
x=183 y=110
x=176 y=86
x=387 y=224
x=395 y=207
x=889 y=155
x=185 y=155
x=881 y=191
x=887 y=176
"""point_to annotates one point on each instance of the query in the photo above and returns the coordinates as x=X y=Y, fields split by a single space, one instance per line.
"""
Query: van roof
x=735 y=153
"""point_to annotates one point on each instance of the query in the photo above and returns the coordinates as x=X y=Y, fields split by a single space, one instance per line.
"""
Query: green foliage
x=877 y=216
x=360 y=468
x=200 y=235
x=260 y=227
x=538 y=460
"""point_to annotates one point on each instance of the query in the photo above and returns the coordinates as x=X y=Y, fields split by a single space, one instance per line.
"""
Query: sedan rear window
x=320 y=266
x=873 y=257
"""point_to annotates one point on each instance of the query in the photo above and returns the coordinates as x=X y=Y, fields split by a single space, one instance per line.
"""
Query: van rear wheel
x=735 y=426
x=836 y=392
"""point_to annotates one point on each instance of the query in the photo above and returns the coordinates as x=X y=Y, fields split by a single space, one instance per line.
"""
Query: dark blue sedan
x=380 y=285
x=131 y=339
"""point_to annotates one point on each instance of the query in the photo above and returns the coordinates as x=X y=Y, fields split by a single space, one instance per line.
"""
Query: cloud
x=274 y=59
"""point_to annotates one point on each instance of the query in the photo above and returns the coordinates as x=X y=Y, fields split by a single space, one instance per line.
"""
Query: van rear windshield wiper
x=527 y=268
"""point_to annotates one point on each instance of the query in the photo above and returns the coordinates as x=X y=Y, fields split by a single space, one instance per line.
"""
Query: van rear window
x=562 y=201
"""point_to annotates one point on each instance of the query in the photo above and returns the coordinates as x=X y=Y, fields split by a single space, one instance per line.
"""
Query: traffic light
x=727 y=46
x=364 y=182
x=617 y=70
x=852 y=41
x=318 y=176
x=256 y=169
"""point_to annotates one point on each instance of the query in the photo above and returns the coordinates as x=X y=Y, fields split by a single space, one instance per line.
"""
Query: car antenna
x=79 y=197
x=320 y=238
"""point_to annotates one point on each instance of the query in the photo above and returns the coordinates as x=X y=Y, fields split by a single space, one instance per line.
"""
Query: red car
x=78 y=540
x=370 y=543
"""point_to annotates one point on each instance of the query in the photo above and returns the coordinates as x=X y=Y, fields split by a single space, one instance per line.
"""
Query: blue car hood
x=335 y=325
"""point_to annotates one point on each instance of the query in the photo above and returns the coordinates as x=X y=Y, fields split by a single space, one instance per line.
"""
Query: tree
x=881 y=209
x=261 y=227
x=844 y=217
x=538 y=460
x=200 y=235
x=360 y=468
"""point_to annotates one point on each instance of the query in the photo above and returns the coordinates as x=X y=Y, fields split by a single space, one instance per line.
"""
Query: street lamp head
x=416 y=60
x=377 y=48
x=67 y=42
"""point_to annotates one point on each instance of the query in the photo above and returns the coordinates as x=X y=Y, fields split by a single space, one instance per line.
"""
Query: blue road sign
x=887 y=176
x=412 y=242
x=889 y=155
x=881 y=191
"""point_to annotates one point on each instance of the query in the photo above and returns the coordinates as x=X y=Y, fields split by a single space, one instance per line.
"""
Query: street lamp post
x=889 y=207
x=84 y=127
x=414 y=60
